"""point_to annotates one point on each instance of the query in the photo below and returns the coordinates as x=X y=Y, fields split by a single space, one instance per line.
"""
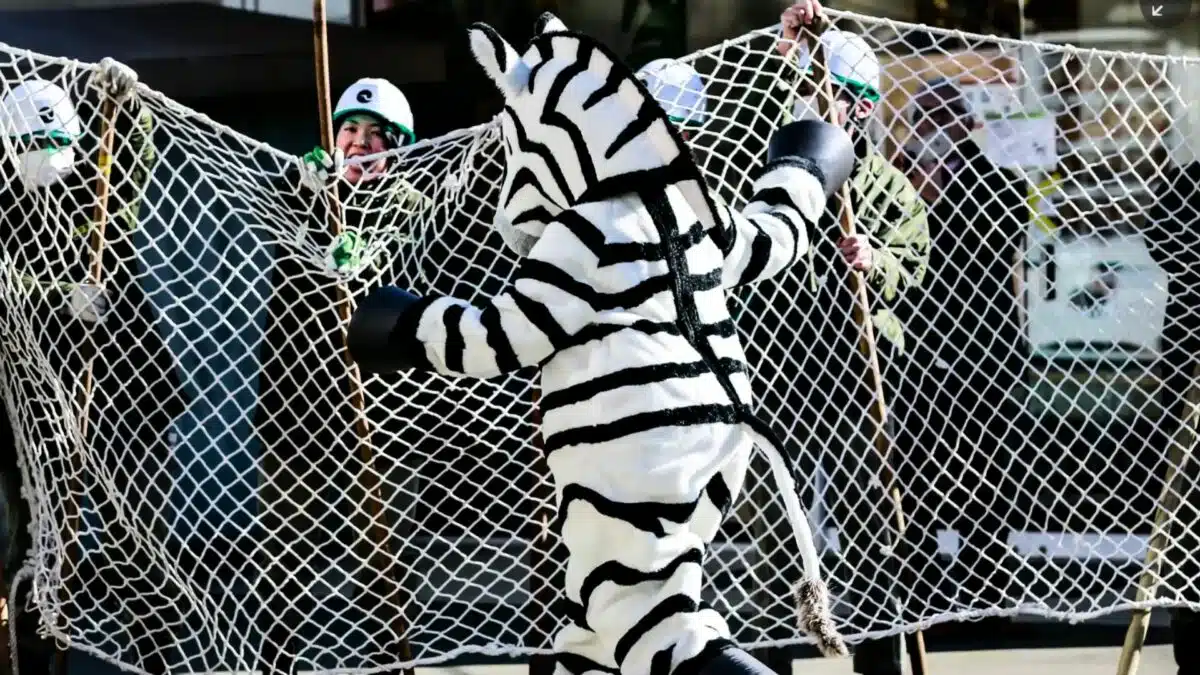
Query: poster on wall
x=1021 y=140
x=1095 y=297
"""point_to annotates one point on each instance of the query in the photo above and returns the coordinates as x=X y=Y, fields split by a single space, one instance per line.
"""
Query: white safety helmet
x=678 y=88
x=40 y=119
x=382 y=100
x=852 y=62
x=37 y=108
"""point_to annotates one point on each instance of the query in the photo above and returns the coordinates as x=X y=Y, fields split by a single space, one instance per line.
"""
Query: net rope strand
x=221 y=520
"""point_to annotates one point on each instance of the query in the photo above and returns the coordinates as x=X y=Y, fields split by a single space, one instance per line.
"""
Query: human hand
x=317 y=168
x=87 y=302
x=347 y=254
x=802 y=13
x=857 y=252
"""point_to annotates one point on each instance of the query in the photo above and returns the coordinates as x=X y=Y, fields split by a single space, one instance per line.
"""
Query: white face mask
x=931 y=149
x=43 y=168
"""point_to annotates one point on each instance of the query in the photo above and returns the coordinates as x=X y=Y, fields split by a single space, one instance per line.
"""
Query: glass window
x=336 y=11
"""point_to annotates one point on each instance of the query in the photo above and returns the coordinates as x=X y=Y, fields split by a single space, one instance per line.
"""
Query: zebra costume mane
x=578 y=126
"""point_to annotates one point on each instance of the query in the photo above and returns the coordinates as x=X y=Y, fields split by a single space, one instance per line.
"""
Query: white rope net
x=212 y=502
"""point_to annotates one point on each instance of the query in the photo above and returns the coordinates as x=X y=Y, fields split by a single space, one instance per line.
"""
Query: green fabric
x=48 y=140
x=888 y=209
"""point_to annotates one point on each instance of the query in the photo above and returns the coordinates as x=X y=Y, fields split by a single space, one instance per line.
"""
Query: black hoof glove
x=382 y=333
x=820 y=145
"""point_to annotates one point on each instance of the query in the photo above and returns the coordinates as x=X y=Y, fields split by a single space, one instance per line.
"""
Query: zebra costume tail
x=813 y=613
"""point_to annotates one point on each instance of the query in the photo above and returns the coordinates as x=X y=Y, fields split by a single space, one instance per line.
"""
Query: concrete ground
x=1072 y=661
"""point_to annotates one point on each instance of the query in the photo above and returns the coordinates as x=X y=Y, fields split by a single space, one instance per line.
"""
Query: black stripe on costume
x=636 y=376
x=635 y=296
x=599 y=331
x=612 y=84
x=617 y=252
x=525 y=177
x=687 y=416
x=669 y=607
x=545 y=53
x=719 y=494
x=660 y=664
x=524 y=144
x=725 y=237
x=622 y=575
x=541 y=317
x=649 y=113
x=578 y=665
x=595 y=332
x=455 y=345
x=573 y=611
x=540 y=270
x=497 y=339
x=630 y=182
x=760 y=255
x=644 y=516
x=552 y=275
x=552 y=117
x=538 y=214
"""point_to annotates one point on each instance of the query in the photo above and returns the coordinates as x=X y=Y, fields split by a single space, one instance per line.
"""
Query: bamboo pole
x=1183 y=443
x=104 y=160
x=862 y=316
x=380 y=556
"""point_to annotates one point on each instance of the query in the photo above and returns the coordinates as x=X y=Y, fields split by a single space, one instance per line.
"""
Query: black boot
x=1185 y=636
x=878 y=657
x=733 y=661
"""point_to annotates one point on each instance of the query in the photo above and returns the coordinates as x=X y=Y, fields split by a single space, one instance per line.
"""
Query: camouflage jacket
x=888 y=209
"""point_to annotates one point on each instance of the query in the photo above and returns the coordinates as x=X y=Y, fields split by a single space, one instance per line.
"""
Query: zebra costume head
x=578 y=126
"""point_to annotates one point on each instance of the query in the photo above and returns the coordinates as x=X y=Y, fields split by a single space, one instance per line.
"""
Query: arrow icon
x=1156 y=10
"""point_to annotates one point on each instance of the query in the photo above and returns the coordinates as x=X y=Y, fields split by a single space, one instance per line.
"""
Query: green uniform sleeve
x=141 y=140
x=128 y=189
x=888 y=210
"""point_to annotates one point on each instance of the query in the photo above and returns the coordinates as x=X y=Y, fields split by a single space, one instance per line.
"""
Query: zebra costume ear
x=498 y=59
x=548 y=23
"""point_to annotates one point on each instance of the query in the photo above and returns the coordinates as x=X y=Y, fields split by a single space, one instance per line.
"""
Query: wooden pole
x=1183 y=443
x=380 y=555
x=104 y=160
x=862 y=318
x=545 y=554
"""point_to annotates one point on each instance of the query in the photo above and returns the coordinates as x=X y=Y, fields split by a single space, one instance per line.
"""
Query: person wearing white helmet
x=296 y=423
x=40 y=120
x=42 y=127
x=372 y=116
x=47 y=204
x=892 y=249
x=678 y=88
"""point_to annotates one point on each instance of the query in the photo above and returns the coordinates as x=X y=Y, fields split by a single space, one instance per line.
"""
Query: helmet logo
x=46 y=114
x=364 y=95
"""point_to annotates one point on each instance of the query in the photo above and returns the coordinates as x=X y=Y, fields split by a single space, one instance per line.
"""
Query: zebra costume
x=620 y=299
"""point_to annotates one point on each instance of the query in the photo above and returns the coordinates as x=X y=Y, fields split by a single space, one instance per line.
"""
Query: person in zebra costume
x=620 y=299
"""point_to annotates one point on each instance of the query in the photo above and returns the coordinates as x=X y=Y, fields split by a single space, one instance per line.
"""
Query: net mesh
x=212 y=488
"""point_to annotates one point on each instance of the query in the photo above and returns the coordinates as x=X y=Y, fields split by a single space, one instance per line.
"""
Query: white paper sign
x=1022 y=141
x=995 y=99
x=1096 y=297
